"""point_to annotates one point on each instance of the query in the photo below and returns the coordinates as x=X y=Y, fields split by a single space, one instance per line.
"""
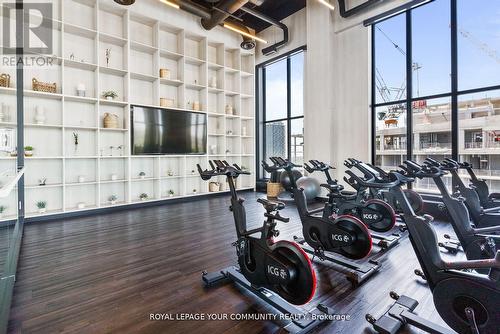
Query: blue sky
x=477 y=19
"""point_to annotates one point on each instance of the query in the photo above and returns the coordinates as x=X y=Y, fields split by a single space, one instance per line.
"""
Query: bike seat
x=332 y=187
x=271 y=206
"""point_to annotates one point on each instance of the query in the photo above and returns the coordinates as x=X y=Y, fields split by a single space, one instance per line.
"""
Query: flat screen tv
x=167 y=131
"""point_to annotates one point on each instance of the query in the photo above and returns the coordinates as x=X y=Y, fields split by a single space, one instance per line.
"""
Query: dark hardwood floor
x=107 y=273
x=5 y=242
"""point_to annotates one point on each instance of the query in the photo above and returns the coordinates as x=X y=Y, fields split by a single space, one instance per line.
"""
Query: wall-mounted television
x=167 y=131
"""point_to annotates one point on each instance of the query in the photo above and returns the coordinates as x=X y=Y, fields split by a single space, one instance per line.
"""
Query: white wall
x=337 y=80
x=296 y=24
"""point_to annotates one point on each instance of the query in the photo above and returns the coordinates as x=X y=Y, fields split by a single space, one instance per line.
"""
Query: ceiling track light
x=242 y=32
x=327 y=4
x=170 y=3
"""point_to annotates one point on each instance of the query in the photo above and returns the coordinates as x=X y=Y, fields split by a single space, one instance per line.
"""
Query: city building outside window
x=281 y=109
x=450 y=106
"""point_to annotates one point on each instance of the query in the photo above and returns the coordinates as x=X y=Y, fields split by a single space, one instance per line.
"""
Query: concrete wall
x=337 y=80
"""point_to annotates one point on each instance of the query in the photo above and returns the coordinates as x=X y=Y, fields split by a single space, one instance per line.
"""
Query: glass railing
x=394 y=147
x=435 y=146
x=473 y=144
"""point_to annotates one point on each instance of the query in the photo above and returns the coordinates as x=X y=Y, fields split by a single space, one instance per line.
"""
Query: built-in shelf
x=202 y=69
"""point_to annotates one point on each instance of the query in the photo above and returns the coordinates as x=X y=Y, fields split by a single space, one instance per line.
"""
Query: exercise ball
x=285 y=180
x=311 y=187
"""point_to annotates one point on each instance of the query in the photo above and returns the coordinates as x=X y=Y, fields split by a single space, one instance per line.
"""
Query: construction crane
x=389 y=94
x=480 y=45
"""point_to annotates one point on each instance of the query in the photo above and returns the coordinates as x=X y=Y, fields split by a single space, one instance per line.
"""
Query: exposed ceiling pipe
x=225 y=9
x=273 y=48
x=356 y=10
x=195 y=9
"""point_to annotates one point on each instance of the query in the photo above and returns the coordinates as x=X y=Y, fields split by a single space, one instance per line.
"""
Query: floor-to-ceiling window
x=281 y=109
x=436 y=85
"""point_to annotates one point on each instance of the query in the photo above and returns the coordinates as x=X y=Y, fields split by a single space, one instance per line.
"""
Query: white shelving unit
x=202 y=70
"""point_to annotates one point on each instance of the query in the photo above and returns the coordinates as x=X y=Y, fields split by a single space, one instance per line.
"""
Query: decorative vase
x=81 y=205
x=114 y=177
x=170 y=173
x=5 y=112
x=229 y=109
x=213 y=149
x=113 y=202
x=167 y=103
x=81 y=179
x=110 y=98
x=110 y=120
x=213 y=82
x=196 y=106
x=42 y=210
x=28 y=153
x=170 y=195
x=39 y=115
x=164 y=73
x=80 y=90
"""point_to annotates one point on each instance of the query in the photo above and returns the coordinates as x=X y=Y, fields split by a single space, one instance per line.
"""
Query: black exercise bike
x=481 y=217
x=376 y=214
x=344 y=235
x=416 y=201
x=277 y=272
x=488 y=200
x=468 y=302
x=477 y=243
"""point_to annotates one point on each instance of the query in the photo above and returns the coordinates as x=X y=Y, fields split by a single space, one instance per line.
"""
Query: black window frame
x=260 y=119
x=453 y=94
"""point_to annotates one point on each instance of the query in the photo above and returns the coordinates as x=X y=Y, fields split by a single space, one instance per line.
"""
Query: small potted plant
x=142 y=175
x=195 y=191
x=171 y=193
x=42 y=206
x=143 y=197
x=112 y=199
x=170 y=173
x=42 y=181
x=2 y=210
x=28 y=151
x=110 y=95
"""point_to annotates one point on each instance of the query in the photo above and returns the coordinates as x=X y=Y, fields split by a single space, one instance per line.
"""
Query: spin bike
x=480 y=217
x=337 y=240
x=414 y=197
x=477 y=243
x=488 y=200
x=376 y=214
x=279 y=273
x=468 y=302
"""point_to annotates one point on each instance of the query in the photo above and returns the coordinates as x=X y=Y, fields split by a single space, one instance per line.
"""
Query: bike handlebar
x=317 y=166
x=220 y=167
x=413 y=169
x=284 y=164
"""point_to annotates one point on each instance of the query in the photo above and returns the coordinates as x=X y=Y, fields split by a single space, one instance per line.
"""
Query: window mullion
x=409 y=87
